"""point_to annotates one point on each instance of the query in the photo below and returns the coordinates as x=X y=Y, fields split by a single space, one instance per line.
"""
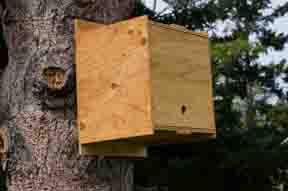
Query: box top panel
x=86 y=25
x=179 y=29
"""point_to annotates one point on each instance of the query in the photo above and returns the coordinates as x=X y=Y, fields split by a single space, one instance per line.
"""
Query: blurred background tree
x=250 y=101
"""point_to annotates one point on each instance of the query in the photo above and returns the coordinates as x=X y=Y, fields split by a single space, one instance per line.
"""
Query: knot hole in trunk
x=55 y=78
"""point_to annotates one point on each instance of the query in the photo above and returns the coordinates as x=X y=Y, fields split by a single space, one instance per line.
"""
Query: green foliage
x=278 y=116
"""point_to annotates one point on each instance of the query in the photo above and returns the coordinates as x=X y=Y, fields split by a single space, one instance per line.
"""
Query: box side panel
x=181 y=81
x=113 y=81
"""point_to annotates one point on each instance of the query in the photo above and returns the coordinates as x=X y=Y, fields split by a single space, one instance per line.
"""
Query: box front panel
x=182 y=81
x=113 y=81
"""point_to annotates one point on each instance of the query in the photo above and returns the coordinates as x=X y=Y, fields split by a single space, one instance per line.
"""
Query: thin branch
x=163 y=11
x=155 y=5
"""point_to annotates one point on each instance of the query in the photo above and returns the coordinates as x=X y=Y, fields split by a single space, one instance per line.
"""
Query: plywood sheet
x=113 y=81
x=181 y=79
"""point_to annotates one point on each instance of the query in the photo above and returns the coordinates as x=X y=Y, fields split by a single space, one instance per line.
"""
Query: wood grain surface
x=142 y=82
x=181 y=79
x=113 y=80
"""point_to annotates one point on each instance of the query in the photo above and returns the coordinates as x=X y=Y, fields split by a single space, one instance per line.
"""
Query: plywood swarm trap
x=141 y=83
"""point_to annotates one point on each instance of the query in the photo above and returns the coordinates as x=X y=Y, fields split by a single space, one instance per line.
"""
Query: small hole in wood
x=143 y=41
x=183 y=109
x=130 y=31
x=114 y=86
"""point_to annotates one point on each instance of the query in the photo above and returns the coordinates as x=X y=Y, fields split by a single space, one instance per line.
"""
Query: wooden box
x=141 y=83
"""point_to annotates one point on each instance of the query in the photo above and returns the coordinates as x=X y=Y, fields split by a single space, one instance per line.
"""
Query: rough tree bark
x=37 y=98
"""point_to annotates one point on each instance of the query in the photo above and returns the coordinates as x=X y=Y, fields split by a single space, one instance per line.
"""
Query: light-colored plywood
x=113 y=81
x=181 y=79
x=141 y=83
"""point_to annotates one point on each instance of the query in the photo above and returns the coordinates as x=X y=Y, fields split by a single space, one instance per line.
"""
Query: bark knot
x=55 y=78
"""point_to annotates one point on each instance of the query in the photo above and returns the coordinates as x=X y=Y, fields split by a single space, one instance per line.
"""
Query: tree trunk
x=37 y=98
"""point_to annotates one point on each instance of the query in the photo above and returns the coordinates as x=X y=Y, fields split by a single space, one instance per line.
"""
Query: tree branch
x=104 y=11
